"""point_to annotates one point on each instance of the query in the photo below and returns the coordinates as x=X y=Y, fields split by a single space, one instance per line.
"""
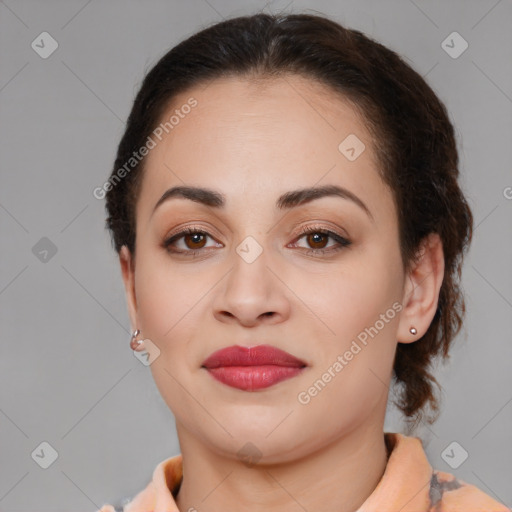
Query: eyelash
x=342 y=241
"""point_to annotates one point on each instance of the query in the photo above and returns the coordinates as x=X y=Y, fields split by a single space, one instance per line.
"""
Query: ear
x=421 y=290
x=128 y=271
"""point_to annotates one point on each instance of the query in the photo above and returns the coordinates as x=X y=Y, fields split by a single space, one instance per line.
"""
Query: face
x=252 y=274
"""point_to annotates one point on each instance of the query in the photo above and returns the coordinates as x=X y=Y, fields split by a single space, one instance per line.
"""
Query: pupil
x=196 y=238
x=317 y=237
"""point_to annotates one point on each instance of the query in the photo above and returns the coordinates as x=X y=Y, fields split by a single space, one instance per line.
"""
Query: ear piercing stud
x=134 y=343
x=413 y=330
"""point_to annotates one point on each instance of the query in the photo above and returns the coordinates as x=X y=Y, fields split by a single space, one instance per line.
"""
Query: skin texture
x=253 y=141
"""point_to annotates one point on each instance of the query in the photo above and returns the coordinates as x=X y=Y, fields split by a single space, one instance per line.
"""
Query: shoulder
x=450 y=494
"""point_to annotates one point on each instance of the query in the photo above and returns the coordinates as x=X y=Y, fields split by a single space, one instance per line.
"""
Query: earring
x=134 y=343
x=413 y=330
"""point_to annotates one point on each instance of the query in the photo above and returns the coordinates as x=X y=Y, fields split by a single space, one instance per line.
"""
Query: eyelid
x=191 y=227
x=179 y=233
x=322 y=226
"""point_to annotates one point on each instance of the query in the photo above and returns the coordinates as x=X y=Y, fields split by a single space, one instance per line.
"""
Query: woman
x=290 y=230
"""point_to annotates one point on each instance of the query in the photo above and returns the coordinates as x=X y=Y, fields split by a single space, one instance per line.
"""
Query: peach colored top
x=409 y=484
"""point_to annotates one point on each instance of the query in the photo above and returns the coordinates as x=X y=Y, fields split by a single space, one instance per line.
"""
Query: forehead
x=265 y=135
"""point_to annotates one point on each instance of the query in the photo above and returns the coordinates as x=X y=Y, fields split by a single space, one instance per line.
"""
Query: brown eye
x=189 y=241
x=317 y=240
x=194 y=240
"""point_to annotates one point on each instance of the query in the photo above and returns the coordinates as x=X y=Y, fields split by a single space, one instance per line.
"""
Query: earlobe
x=128 y=273
x=421 y=291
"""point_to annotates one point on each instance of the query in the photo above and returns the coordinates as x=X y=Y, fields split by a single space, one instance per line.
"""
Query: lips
x=252 y=356
x=252 y=368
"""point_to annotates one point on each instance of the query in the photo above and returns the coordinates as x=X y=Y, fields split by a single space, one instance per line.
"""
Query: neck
x=338 y=477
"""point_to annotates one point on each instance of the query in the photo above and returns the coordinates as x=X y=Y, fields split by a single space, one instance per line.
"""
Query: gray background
x=67 y=375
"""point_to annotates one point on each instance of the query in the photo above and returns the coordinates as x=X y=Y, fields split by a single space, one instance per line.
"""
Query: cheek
x=172 y=308
x=353 y=366
x=168 y=309
x=163 y=299
x=155 y=302
x=359 y=302
x=351 y=297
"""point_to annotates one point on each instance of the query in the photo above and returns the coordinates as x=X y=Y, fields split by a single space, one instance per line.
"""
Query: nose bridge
x=251 y=236
x=250 y=275
x=251 y=290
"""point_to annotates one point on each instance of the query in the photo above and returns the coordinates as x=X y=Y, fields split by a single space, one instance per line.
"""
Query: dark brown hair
x=412 y=136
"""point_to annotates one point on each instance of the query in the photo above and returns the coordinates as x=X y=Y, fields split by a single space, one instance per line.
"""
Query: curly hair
x=411 y=133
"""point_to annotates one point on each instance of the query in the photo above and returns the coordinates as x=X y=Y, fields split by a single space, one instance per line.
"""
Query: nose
x=252 y=294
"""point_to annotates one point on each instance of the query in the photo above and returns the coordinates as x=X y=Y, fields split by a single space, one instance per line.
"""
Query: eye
x=194 y=241
x=317 y=237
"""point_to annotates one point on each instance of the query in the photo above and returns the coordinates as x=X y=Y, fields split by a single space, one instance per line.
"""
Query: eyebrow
x=285 y=201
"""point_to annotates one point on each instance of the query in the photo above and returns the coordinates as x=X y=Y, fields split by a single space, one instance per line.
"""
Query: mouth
x=252 y=368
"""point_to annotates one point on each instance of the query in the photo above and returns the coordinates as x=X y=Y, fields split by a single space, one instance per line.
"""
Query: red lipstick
x=252 y=368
